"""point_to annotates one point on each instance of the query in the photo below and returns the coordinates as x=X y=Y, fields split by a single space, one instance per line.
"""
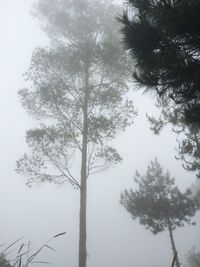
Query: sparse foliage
x=84 y=72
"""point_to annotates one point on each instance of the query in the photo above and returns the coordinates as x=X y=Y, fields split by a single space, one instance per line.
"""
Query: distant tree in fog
x=77 y=92
x=158 y=203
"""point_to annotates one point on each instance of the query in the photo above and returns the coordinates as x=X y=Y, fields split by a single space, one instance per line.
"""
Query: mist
x=39 y=212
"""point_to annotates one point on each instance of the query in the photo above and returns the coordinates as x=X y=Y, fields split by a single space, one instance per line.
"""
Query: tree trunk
x=83 y=185
x=173 y=244
x=82 y=223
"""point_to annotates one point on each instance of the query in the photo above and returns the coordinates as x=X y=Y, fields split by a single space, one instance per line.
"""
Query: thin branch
x=97 y=168
x=60 y=167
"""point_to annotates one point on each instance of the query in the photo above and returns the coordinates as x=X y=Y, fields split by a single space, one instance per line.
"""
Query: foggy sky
x=37 y=213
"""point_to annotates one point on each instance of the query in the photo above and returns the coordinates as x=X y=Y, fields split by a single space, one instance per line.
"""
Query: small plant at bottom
x=26 y=255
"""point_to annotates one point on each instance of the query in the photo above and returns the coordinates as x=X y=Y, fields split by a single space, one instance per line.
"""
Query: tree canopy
x=163 y=37
x=84 y=57
x=158 y=200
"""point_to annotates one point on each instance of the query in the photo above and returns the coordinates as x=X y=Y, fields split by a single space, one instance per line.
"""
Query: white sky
x=114 y=240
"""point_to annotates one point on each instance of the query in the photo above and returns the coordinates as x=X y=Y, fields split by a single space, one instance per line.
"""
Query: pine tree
x=77 y=92
x=163 y=37
x=184 y=124
x=158 y=203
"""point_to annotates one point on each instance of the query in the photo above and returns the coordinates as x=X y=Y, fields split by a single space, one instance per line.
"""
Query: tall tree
x=163 y=37
x=158 y=203
x=77 y=92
